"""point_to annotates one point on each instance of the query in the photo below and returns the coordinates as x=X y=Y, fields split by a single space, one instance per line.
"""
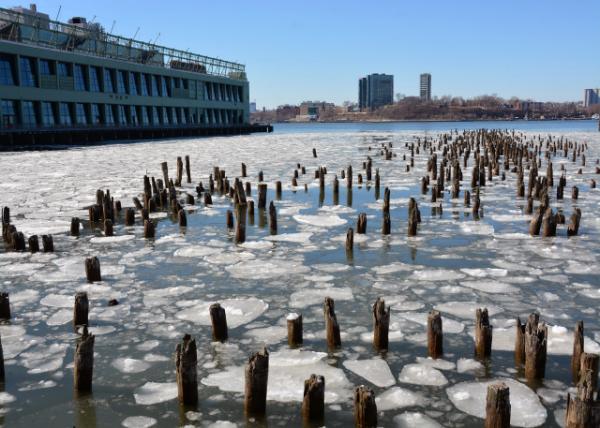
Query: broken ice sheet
x=375 y=370
x=239 y=311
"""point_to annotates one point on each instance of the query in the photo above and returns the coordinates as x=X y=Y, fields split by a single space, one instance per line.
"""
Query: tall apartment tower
x=425 y=87
x=375 y=90
x=591 y=97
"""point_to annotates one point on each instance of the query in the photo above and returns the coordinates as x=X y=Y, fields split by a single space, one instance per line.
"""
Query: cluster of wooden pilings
x=15 y=240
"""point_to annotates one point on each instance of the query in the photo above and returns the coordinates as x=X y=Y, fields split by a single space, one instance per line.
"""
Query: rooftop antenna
x=58 y=13
x=157 y=36
x=113 y=26
x=136 y=33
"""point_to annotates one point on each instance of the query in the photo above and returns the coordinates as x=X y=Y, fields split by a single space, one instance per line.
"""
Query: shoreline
x=431 y=121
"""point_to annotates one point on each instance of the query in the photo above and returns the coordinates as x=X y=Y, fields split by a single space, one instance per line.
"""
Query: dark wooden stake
x=381 y=325
x=434 y=335
x=497 y=407
x=577 y=350
x=535 y=348
x=218 y=320
x=313 y=403
x=83 y=367
x=256 y=380
x=483 y=334
x=365 y=409
x=48 y=243
x=149 y=229
x=331 y=324
x=81 y=309
x=4 y=306
x=92 y=269
x=186 y=360
x=294 y=330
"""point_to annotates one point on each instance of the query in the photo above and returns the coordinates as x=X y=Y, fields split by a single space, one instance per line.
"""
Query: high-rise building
x=591 y=97
x=362 y=93
x=425 y=87
x=375 y=90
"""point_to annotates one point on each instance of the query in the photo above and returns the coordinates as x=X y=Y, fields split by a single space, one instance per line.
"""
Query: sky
x=546 y=50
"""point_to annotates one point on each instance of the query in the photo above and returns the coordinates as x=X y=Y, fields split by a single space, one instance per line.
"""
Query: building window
x=6 y=71
x=164 y=87
x=165 y=116
x=79 y=78
x=28 y=113
x=132 y=84
x=27 y=76
x=47 y=114
x=9 y=116
x=63 y=69
x=108 y=81
x=153 y=86
x=155 y=120
x=80 y=117
x=143 y=85
x=121 y=82
x=94 y=81
x=109 y=118
x=173 y=115
x=121 y=116
x=64 y=114
x=95 y=114
x=133 y=119
x=46 y=67
x=145 y=120
x=183 y=117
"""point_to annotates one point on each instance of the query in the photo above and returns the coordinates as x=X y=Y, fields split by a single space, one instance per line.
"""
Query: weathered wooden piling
x=294 y=329
x=129 y=217
x=218 y=320
x=573 y=227
x=207 y=198
x=262 y=196
x=81 y=309
x=4 y=306
x=577 y=350
x=589 y=363
x=179 y=172
x=108 y=227
x=582 y=410
x=413 y=217
x=48 y=243
x=229 y=219
x=535 y=348
x=240 y=225
x=186 y=360
x=386 y=222
x=83 y=364
x=314 y=151
x=256 y=380
x=361 y=224
x=75 y=226
x=365 y=408
x=497 y=407
x=165 y=170
x=349 y=176
x=149 y=229
x=313 y=403
x=92 y=269
x=575 y=192
x=34 y=244
x=549 y=223
x=349 y=240
x=435 y=338
x=483 y=334
x=332 y=327
x=381 y=325
x=188 y=171
x=243 y=172
x=272 y=219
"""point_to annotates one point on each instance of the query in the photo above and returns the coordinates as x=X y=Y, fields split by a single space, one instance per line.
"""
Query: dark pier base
x=53 y=138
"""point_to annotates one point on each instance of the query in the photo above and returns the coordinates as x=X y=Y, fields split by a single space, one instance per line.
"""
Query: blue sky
x=316 y=50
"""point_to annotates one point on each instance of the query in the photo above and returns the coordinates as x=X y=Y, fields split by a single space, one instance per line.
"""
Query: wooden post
x=182 y=218
x=349 y=176
x=577 y=350
x=314 y=152
x=75 y=226
x=582 y=410
x=386 y=222
x=92 y=269
x=165 y=171
x=497 y=407
x=331 y=324
x=535 y=348
x=262 y=196
x=83 y=367
x=294 y=330
x=520 y=343
x=186 y=360
x=129 y=217
x=4 y=306
x=313 y=403
x=240 y=225
x=229 y=219
x=573 y=227
x=483 y=334
x=187 y=169
x=434 y=335
x=244 y=175
x=350 y=240
x=278 y=190
x=108 y=227
x=48 y=243
x=179 y=175
x=218 y=319
x=81 y=309
x=413 y=217
x=34 y=244
x=149 y=229
x=2 y=376
x=361 y=224
x=256 y=380
x=589 y=363
x=365 y=408
x=381 y=325
x=272 y=219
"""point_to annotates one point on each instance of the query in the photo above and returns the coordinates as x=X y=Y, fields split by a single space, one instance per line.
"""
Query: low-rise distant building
x=591 y=97
x=253 y=107
x=529 y=106
x=312 y=110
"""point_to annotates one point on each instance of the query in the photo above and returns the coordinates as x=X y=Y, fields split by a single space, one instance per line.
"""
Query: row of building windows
x=99 y=79
x=48 y=114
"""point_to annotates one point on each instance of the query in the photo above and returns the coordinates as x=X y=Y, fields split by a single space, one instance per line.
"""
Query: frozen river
x=165 y=286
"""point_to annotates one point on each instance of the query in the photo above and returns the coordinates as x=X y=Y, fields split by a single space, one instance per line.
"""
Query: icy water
x=166 y=285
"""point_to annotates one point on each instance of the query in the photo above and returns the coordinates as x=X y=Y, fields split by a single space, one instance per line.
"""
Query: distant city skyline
x=314 y=50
